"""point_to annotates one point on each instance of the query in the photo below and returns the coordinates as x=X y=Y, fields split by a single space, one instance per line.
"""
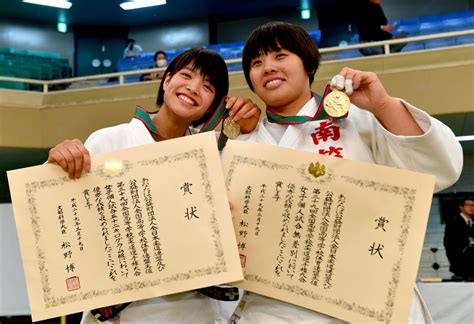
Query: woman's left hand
x=367 y=92
x=244 y=111
x=364 y=88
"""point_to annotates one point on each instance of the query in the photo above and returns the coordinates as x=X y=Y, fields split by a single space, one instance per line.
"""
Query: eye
x=186 y=75
x=209 y=88
x=281 y=55
x=256 y=63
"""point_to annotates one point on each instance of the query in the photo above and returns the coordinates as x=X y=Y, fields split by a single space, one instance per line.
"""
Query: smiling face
x=188 y=94
x=278 y=58
x=279 y=78
x=188 y=79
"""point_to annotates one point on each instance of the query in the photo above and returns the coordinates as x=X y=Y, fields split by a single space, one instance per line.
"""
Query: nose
x=269 y=65
x=193 y=86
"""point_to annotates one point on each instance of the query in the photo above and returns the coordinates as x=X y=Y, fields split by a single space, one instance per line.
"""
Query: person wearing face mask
x=160 y=61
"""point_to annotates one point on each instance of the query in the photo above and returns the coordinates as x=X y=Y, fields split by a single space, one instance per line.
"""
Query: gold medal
x=336 y=103
x=231 y=128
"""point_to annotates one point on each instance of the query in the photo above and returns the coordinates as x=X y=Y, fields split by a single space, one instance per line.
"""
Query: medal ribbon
x=144 y=116
x=218 y=116
x=295 y=120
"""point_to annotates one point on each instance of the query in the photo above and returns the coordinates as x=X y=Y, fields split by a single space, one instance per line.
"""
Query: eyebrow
x=204 y=76
x=261 y=52
x=190 y=68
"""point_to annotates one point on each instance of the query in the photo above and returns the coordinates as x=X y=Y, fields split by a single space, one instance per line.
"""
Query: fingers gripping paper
x=336 y=236
x=145 y=222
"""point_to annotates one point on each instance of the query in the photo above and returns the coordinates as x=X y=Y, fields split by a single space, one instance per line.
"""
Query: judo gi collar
x=295 y=120
x=144 y=116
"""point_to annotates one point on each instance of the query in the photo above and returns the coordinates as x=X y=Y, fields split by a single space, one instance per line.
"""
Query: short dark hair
x=462 y=202
x=130 y=40
x=158 y=53
x=274 y=36
x=211 y=65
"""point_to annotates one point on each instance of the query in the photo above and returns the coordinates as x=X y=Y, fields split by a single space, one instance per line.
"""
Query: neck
x=293 y=107
x=168 y=125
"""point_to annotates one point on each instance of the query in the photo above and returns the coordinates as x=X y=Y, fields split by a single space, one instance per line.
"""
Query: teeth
x=186 y=99
x=273 y=83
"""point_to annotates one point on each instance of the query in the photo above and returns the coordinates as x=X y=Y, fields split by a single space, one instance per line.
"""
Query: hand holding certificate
x=336 y=236
x=145 y=222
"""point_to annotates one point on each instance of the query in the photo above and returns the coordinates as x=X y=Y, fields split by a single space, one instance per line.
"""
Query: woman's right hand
x=72 y=156
x=244 y=111
x=388 y=28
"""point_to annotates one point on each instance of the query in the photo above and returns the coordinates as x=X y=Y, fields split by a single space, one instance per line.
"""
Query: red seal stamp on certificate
x=73 y=283
x=243 y=260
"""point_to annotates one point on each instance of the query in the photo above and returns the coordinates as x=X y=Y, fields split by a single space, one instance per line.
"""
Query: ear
x=166 y=81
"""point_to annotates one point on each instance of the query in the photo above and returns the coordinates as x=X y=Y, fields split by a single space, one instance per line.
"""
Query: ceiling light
x=51 y=3
x=305 y=14
x=141 y=4
x=465 y=138
x=62 y=27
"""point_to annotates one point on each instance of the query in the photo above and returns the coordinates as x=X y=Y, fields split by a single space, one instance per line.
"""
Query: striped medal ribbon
x=217 y=117
x=295 y=120
x=110 y=312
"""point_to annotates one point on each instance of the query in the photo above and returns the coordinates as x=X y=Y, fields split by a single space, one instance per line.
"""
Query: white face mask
x=161 y=63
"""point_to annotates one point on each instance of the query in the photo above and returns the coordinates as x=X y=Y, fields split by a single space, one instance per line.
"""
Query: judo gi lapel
x=294 y=135
x=262 y=135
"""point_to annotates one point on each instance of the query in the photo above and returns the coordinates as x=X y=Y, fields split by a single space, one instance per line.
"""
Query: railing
x=121 y=75
x=386 y=44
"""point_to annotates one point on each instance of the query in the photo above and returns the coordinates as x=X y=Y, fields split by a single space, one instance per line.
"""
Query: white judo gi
x=358 y=137
x=186 y=307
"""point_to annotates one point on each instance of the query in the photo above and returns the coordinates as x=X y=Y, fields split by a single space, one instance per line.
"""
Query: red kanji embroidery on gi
x=333 y=151
x=325 y=131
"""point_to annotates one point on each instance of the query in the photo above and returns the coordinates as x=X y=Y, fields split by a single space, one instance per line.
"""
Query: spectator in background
x=373 y=26
x=459 y=241
x=160 y=61
x=132 y=49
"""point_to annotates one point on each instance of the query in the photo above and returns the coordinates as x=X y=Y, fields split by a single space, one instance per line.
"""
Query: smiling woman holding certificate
x=191 y=94
x=279 y=62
